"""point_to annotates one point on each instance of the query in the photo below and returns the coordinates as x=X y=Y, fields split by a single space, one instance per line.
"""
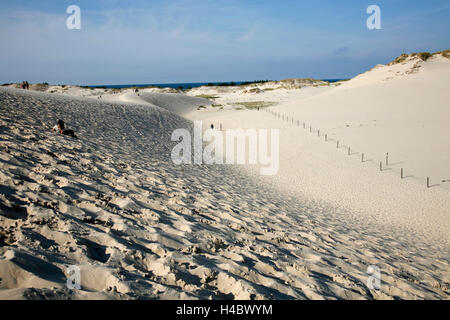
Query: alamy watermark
x=73 y=22
x=73 y=278
x=232 y=143
x=374 y=21
x=374 y=280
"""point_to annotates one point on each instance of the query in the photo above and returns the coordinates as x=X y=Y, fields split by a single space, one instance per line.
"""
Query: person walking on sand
x=60 y=127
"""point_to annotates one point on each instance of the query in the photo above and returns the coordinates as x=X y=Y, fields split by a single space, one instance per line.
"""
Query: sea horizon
x=187 y=85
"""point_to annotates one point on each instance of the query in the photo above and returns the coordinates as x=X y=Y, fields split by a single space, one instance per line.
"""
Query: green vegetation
x=233 y=84
x=422 y=55
x=144 y=87
x=246 y=83
x=399 y=59
x=205 y=96
x=222 y=84
x=289 y=80
x=255 y=104
x=445 y=53
x=201 y=107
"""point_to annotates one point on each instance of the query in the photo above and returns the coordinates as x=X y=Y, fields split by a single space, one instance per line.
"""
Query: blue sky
x=156 y=41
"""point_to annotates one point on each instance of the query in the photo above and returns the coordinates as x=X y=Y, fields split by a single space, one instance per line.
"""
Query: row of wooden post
x=349 y=150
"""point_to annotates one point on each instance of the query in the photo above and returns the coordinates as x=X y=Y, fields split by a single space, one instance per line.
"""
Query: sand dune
x=113 y=203
x=400 y=109
x=174 y=102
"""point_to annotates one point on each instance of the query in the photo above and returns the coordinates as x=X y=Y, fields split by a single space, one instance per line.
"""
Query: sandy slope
x=113 y=203
x=401 y=109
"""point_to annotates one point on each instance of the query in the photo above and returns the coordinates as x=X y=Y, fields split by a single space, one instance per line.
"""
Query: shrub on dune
x=423 y=55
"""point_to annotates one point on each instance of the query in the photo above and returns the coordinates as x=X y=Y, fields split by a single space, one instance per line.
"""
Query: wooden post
x=387 y=159
x=326 y=137
x=348 y=150
x=428 y=182
x=337 y=144
x=318 y=133
x=381 y=166
x=401 y=173
x=362 y=157
x=310 y=128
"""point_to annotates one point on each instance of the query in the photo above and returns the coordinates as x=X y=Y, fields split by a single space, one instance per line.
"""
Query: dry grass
x=256 y=104
x=445 y=53
x=422 y=55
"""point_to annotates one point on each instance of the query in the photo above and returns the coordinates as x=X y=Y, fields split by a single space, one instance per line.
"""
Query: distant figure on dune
x=25 y=85
x=212 y=127
x=60 y=127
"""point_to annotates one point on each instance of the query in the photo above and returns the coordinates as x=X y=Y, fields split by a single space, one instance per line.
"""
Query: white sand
x=112 y=202
x=400 y=109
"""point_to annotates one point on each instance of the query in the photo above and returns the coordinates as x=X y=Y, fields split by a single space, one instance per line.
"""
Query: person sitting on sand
x=59 y=127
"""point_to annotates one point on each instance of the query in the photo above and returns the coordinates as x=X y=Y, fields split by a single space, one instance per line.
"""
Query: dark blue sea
x=184 y=85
